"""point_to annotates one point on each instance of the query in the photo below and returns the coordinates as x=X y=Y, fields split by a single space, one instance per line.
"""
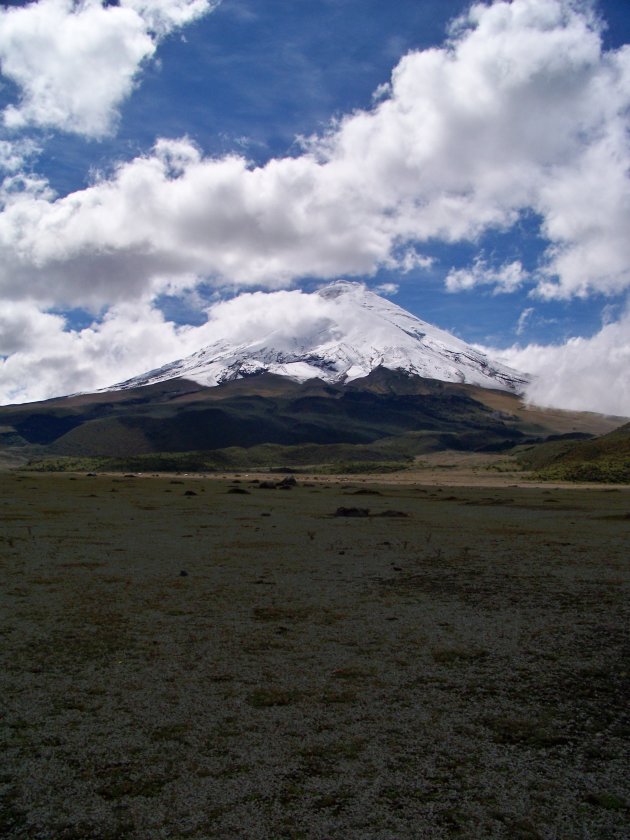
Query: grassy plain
x=180 y=658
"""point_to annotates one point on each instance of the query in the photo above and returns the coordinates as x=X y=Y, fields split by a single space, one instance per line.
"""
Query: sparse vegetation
x=263 y=459
x=224 y=665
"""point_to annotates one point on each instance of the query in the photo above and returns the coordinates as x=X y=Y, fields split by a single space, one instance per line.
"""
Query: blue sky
x=509 y=231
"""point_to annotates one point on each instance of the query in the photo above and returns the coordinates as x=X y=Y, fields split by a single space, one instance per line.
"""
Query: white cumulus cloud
x=507 y=278
x=583 y=374
x=15 y=153
x=162 y=16
x=76 y=62
x=41 y=358
x=387 y=289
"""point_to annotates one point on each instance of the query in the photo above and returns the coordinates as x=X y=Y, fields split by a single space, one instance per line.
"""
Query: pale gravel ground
x=462 y=672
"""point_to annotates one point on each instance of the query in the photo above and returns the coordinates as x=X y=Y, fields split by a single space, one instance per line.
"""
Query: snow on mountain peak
x=331 y=291
x=338 y=333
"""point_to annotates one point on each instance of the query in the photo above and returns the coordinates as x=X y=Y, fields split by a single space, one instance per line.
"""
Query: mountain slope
x=233 y=415
x=388 y=415
x=344 y=332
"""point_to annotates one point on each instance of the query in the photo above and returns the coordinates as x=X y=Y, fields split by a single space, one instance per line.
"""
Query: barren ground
x=247 y=665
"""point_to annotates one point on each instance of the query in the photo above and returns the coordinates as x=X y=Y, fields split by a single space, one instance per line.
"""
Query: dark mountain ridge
x=387 y=405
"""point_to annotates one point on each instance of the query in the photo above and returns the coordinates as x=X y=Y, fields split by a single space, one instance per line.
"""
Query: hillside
x=383 y=417
x=605 y=459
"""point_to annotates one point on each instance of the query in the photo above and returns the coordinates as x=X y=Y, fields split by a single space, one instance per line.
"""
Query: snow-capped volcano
x=339 y=333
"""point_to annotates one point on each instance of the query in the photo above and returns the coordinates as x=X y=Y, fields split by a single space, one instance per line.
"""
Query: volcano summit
x=343 y=332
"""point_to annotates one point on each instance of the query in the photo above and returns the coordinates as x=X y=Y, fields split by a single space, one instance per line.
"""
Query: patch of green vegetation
x=359 y=467
x=537 y=455
x=158 y=462
x=601 y=471
x=602 y=460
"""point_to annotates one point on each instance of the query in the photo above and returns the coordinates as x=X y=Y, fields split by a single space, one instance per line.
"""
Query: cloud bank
x=40 y=358
x=584 y=374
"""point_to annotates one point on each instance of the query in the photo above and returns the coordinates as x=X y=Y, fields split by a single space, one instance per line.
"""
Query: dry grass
x=251 y=666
